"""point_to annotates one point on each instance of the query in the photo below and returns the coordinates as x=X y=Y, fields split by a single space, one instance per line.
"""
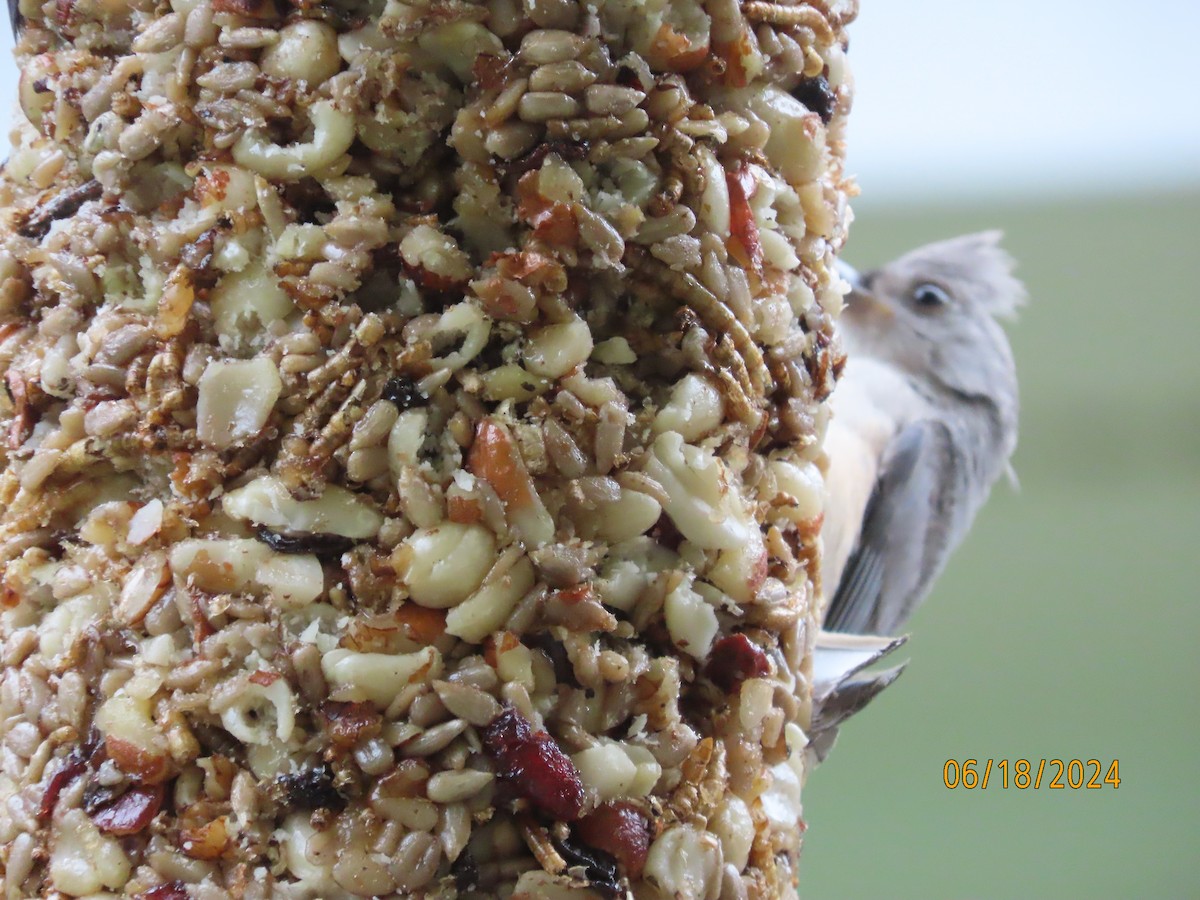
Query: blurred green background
x=1066 y=626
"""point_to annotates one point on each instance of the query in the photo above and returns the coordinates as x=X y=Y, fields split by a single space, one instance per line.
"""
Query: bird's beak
x=862 y=301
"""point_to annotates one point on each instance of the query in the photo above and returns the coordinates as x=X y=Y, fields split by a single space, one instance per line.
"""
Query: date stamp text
x=1026 y=774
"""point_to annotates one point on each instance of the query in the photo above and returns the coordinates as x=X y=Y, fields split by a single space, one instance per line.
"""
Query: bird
x=924 y=422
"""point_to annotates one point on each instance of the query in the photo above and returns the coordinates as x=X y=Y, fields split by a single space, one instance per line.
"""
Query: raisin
x=322 y=545
x=311 y=788
x=37 y=226
x=465 y=871
x=599 y=868
x=818 y=96
x=403 y=392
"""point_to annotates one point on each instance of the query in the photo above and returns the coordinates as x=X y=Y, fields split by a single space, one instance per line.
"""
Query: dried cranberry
x=172 y=890
x=71 y=769
x=131 y=812
x=73 y=766
x=734 y=659
x=535 y=765
x=619 y=829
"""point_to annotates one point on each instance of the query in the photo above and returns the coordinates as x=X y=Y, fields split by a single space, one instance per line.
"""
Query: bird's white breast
x=872 y=402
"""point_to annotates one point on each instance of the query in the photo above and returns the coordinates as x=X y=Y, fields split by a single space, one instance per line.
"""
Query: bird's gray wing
x=904 y=536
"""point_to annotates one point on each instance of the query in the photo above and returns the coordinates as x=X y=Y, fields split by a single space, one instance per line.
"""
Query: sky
x=959 y=100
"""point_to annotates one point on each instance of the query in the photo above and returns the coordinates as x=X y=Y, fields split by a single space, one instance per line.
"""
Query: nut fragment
x=442 y=566
x=555 y=350
x=83 y=861
x=701 y=500
x=684 y=862
x=306 y=51
x=691 y=621
x=333 y=134
x=236 y=399
x=266 y=501
x=487 y=609
x=378 y=677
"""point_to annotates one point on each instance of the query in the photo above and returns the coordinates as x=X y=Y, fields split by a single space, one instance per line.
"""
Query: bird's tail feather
x=841 y=684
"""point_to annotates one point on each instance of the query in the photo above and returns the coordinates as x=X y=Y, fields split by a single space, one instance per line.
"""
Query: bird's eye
x=930 y=296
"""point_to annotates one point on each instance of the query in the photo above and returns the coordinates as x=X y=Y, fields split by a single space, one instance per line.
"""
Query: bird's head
x=933 y=312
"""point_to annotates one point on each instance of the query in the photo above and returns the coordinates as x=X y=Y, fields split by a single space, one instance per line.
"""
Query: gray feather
x=905 y=538
x=842 y=686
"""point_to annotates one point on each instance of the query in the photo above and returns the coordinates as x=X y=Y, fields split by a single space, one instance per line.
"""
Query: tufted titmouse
x=924 y=422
